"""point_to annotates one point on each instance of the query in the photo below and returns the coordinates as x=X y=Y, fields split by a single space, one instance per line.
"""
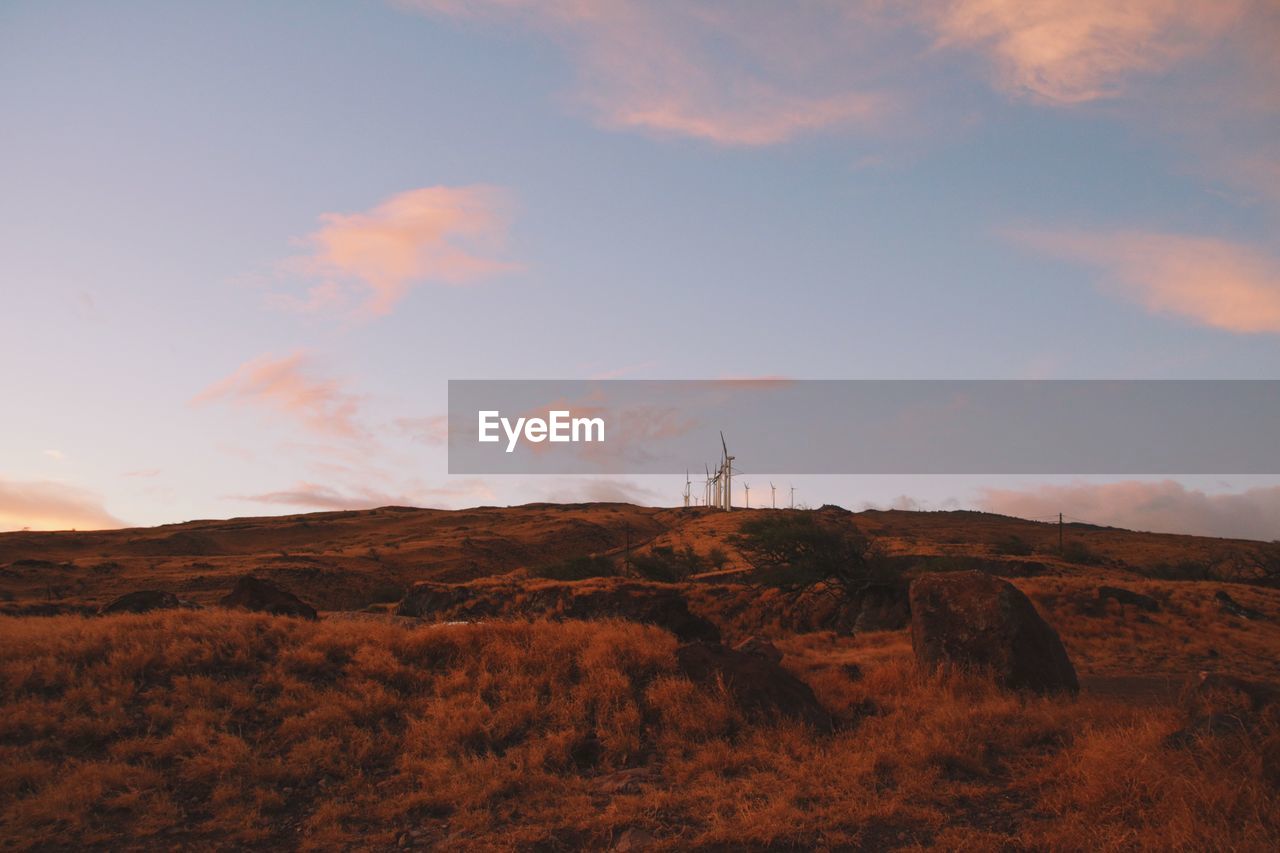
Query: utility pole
x=1060 y=549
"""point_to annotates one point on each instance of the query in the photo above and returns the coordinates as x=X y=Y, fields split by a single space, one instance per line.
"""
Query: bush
x=663 y=563
x=578 y=568
x=1076 y=551
x=794 y=549
x=1183 y=570
x=1013 y=546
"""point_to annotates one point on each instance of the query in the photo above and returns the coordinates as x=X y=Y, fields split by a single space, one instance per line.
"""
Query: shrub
x=666 y=564
x=1076 y=551
x=795 y=549
x=1013 y=546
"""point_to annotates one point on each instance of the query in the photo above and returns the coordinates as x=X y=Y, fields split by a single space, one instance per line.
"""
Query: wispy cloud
x=432 y=430
x=48 y=505
x=440 y=235
x=1210 y=281
x=288 y=385
x=308 y=495
x=1068 y=51
x=728 y=73
x=1166 y=507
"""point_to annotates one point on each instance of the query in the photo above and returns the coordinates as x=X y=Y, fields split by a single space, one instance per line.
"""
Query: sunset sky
x=244 y=245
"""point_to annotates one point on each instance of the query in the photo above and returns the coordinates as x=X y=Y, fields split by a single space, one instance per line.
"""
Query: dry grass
x=222 y=729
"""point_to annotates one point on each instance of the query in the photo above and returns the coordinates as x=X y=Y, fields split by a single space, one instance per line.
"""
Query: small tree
x=796 y=550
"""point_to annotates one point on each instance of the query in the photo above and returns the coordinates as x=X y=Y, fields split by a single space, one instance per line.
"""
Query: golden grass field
x=220 y=729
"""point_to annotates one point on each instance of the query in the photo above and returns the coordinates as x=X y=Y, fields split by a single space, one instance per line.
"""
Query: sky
x=243 y=246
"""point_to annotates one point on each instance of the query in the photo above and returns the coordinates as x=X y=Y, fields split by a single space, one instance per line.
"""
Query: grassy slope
x=244 y=729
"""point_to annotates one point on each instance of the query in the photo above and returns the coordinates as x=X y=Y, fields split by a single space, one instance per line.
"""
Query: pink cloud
x=432 y=430
x=732 y=74
x=1207 y=280
x=48 y=505
x=1068 y=51
x=316 y=496
x=1165 y=507
x=442 y=235
x=286 y=385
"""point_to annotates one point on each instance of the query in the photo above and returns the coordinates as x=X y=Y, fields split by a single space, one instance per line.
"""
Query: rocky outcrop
x=971 y=619
x=141 y=601
x=759 y=686
x=252 y=593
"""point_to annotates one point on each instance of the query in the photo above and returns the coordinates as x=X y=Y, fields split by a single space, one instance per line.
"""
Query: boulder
x=142 y=601
x=975 y=620
x=1124 y=596
x=760 y=687
x=252 y=593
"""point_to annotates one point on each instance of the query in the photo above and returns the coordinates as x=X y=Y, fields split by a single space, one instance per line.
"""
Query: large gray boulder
x=971 y=619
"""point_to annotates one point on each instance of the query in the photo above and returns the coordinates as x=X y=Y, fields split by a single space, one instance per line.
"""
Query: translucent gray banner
x=784 y=426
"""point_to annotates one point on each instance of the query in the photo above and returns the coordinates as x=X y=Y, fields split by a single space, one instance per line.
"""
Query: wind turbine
x=793 y=497
x=707 y=486
x=687 y=485
x=773 y=496
x=746 y=487
x=728 y=474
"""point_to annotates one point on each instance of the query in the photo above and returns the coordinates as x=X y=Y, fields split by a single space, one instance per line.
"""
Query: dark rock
x=1127 y=596
x=142 y=601
x=428 y=599
x=975 y=620
x=761 y=688
x=761 y=648
x=252 y=593
x=1235 y=608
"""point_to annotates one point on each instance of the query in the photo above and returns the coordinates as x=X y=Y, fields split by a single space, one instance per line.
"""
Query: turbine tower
x=728 y=474
x=746 y=487
x=687 y=486
x=773 y=496
x=793 y=497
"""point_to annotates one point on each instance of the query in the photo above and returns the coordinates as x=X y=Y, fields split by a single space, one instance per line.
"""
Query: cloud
x=599 y=490
x=432 y=430
x=47 y=505
x=1068 y=51
x=442 y=235
x=315 y=496
x=1210 y=281
x=1166 y=507
x=730 y=73
x=286 y=386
